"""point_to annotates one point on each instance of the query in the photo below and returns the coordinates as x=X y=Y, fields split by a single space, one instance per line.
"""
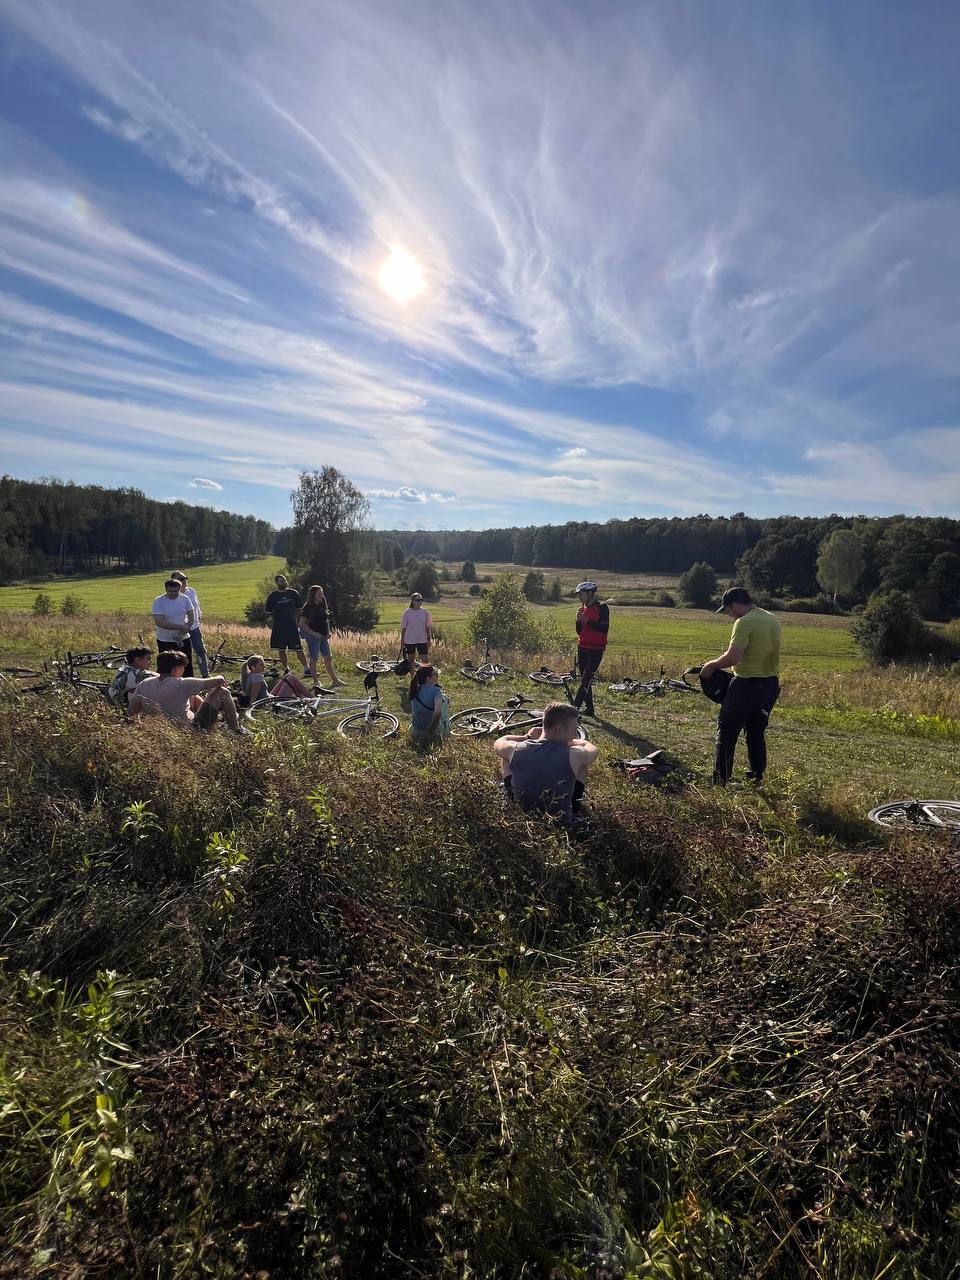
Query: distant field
x=677 y=637
x=224 y=589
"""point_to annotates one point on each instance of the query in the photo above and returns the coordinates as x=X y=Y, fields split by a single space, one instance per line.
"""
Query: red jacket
x=593 y=623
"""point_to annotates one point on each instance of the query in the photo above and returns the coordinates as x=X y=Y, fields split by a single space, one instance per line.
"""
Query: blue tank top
x=541 y=778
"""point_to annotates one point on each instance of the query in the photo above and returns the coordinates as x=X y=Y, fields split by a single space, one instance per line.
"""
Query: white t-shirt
x=197 y=612
x=174 y=613
x=413 y=625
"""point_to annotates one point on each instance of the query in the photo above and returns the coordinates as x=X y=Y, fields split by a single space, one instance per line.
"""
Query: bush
x=665 y=600
x=533 y=586
x=42 y=605
x=256 y=612
x=73 y=606
x=469 y=572
x=699 y=585
x=425 y=579
x=890 y=628
x=475 y=589
x=556 y=591
x=503 y=613
x=810 y=604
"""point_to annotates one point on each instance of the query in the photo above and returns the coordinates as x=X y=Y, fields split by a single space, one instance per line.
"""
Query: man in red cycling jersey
x=593 y=623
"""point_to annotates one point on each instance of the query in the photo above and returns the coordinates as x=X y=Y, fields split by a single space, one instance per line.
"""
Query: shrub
x=699 y=585
x=533 y=586
x=810 y=604
x=42 y=605
x=475 y=589
x=469 y=572
x=73 y=606
x=556 y=590
x=890 y=628
x=504 y=613
x=665 y=600
x=256 y=612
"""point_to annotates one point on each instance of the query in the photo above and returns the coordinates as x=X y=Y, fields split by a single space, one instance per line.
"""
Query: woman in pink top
x=416 y=631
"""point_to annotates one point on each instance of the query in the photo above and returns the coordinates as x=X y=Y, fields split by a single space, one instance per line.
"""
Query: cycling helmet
x=586 y=586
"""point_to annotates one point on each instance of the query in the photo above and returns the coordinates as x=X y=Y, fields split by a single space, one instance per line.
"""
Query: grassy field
x=676 y=637
x=223 y=589
x=298 y=1007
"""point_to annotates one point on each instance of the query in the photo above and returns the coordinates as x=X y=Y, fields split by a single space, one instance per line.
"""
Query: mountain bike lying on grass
x=653 y=688
x=61 y=676
x=366 y=720
x=515 y=717
x=379 y=666
x=112 y=658
x=555 y=679
x=918 y=815
x=217 y=658
x=487 y=670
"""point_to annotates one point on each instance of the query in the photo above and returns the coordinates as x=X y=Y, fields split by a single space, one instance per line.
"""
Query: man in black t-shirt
x=284 y=606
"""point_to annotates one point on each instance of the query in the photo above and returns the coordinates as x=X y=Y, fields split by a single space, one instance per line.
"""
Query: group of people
x=545 y=768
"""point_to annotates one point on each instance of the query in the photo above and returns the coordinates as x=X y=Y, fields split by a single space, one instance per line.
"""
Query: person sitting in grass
x=429 y=707
x=545 y=770
x=135 y=668
x=194 y=703
x=253 y=682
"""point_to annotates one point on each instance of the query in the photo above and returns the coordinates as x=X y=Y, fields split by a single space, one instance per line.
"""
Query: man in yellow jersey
x=754 y=655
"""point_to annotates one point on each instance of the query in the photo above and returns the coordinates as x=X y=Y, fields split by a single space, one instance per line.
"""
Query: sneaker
x=338 y=683
x=242 y=731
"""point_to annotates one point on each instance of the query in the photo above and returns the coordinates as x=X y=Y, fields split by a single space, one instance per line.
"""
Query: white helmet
x=586 y=586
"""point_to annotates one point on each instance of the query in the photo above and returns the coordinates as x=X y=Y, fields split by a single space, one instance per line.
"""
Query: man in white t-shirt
x=174 y=619
x=196 y=635
x=416 y=631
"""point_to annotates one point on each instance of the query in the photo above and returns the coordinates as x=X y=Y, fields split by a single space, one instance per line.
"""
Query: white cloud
x=397 y=495
x=576 y=452
x=198 y=482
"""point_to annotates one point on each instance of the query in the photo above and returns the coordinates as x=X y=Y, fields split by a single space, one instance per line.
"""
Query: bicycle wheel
x=19 y=672
x=681 y=686
x=376 y=724
x=550 y=677
x=475 y=722
x=379 y=666
x=283 y=709
x=926 y=815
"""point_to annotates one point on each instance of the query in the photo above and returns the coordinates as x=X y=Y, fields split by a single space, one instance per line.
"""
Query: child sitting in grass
x=429 y=707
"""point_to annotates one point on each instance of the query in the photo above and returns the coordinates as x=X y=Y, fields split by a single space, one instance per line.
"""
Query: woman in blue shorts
x=315 y=628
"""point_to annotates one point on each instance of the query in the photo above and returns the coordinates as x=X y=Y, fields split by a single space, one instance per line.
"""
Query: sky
x=500 y=263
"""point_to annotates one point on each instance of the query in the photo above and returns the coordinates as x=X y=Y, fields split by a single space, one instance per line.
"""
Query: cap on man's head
x=735 y=595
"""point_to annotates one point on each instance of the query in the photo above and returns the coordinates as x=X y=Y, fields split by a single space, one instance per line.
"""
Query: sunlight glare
x=401 y=276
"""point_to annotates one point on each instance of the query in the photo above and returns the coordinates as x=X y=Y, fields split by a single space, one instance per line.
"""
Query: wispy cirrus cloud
x=693 y=270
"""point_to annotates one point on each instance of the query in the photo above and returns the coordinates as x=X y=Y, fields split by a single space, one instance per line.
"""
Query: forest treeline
x=51 y=526
x=779 y=555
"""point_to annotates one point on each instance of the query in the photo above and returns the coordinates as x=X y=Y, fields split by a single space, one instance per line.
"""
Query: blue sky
x=675 y=257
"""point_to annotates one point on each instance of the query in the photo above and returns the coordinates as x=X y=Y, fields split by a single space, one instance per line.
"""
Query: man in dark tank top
x=546 y=769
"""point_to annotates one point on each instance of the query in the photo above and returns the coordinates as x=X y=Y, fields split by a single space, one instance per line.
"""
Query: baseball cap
x=734 y=595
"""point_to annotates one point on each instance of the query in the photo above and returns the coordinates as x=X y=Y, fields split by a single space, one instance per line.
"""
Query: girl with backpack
x=429 y=707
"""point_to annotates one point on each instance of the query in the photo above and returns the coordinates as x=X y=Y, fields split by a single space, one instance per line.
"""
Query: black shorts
x=422 y=649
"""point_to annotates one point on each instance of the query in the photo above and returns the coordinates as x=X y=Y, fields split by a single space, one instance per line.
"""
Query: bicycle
x=366 y=720
x=61 y=675
x=377 y=665
x=477 y=722
x=217 y=658
x=653 y=688
x=112 y=658
x=556 y=679
x=487 y=670
x=918 y=815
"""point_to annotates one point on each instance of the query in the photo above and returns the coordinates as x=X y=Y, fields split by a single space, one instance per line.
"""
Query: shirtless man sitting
x=546 y=769
x=196 y=704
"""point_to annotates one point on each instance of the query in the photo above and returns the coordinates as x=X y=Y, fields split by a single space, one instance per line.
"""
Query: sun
x=401 y=276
